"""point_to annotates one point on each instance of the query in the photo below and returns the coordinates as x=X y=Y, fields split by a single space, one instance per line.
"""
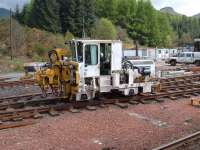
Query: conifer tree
x=67 y=15
x=45 y=15
x=89 y=15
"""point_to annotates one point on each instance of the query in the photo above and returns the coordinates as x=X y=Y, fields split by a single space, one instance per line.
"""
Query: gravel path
x=139 y=127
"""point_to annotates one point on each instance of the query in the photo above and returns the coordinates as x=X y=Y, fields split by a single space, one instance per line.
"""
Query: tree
x=67 y=15
x=122 y=34
x=79 y=16
x=186 y=39
x=139 y=18
x=69 y=36
x=107 y=9
x=76 y=15
x=25 y=16
x=17 y=12
x=165 y=31
x=18 y=37
x=89 y=15
x=104 y=29
x=126 y=11
x=45 y=15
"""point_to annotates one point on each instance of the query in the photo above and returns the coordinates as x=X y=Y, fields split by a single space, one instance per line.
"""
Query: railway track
x=185 y=77
x=4 y=84
x=182 y=82
x=4 y=79
x=191 y=142
x=34 y=105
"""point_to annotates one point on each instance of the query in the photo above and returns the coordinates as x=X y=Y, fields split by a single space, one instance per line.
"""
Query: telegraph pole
x=11 y=47
x=83 y=34
x=136 y=47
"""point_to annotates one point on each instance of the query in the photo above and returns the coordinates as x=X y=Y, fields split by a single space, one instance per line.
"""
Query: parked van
x=185 y=58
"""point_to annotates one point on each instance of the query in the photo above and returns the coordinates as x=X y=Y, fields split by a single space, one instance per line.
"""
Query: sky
x=12 y=3
x=186 y=7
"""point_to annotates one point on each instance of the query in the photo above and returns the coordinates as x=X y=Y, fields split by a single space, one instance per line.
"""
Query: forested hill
x=197 y=15
x=4 y=13
x=124 y=19
x=169 y=10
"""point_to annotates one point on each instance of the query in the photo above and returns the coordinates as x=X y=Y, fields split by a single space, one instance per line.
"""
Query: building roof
x=96 y=41
x=197 y=40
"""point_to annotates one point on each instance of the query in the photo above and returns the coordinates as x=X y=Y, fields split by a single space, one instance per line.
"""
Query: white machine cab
x=101 y=70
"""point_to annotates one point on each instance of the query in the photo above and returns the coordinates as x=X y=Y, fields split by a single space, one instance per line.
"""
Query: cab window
x=80 y=52
x=73 y=50
x=105 y=58
x=91 y=54
x=188 y=55
x=181 y=55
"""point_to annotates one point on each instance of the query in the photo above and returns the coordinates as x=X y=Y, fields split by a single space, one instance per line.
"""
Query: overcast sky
x=187 y=7
x=12 y=3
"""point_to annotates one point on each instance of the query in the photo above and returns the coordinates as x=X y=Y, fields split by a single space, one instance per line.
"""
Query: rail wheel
x=197 y=63
x=173 y=62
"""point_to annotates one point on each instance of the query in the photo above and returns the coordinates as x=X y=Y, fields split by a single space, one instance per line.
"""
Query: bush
x=122 y=34
x=40 y=50
x=104 y=29
x=17 y=65
x=4 y=51
x=69 y=36
x=37 y=58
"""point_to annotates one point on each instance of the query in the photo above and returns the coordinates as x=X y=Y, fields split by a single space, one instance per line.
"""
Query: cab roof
x=96 y=41
x=197 y=40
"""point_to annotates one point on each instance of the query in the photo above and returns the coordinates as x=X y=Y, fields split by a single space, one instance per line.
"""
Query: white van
x=185 y=58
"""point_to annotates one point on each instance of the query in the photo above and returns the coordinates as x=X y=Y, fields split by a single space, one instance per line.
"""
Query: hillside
x=4 y=13
x=169 y=10
x=197 y=15
x=29 y=44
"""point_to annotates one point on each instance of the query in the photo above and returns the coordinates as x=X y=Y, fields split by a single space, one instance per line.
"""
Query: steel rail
x=181 y=143
x=179 y=77
x=33 y=105
x=16 y=83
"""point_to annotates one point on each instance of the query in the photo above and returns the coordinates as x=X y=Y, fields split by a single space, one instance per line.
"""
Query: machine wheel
x=97 y=96
x=197 y=63
x=173 y=62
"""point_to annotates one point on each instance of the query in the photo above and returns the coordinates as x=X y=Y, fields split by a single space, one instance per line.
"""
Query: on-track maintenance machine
x=96 y=67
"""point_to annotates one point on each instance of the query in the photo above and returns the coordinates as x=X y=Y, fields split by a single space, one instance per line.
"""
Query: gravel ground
x=140 y=127
x=14 y=76
x=19 y=90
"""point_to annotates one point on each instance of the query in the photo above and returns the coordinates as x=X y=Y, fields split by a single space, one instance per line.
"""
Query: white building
x=132 y=53
x=162 y=54
x=156 y=54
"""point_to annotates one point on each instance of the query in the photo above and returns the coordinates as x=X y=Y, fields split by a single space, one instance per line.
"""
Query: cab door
x=189 y=58
x=181 y=58
x=91 y=60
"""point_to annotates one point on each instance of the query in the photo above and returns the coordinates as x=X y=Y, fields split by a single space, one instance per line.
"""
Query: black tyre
x=197 y=63
x=173 y=62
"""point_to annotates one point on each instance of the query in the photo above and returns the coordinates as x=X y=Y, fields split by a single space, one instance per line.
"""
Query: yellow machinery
x=59 y=75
